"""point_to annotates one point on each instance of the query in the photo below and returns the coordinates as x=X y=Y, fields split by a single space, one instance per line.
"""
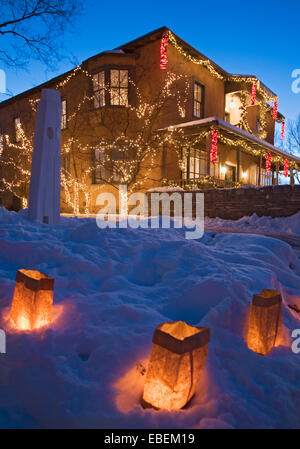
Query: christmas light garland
x=282 y=130
x=286 y=168
x=214 y=146
x=268 y=162
x=253 y=93
x=275 y=110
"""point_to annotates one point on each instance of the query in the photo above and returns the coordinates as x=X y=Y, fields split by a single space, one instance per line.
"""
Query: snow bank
x=269 y=225
x=166 y=189
x=112 y=288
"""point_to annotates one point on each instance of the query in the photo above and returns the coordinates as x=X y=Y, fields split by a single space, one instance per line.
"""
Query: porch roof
x=234 y=131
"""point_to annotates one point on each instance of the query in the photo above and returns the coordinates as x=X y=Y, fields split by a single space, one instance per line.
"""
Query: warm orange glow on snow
x=177 y=358
x=33 y=300
x=265 y=322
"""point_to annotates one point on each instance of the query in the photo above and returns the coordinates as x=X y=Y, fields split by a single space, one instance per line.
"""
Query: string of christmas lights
x=282 y=130
x=268 y=162
x=163 y=53
x=286 y=168
x=253 y=93
x=275 y=110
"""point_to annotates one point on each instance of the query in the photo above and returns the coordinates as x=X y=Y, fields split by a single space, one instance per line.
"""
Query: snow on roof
x=232 y=128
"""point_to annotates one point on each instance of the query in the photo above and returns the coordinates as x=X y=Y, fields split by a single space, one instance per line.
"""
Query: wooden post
x=238 y=165
x=292 y=180
x=277 y=172
x=259 y=170
x=208 y=147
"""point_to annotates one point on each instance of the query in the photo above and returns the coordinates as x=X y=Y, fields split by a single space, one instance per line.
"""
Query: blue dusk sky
x=259 y=38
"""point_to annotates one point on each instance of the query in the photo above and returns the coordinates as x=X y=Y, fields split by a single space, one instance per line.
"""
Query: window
x=99 y=171
x=195 y=164
x=119 y=87
x=198 y=100
x=63 y=114
x=214 y=170
x=227 y=117
x=99 y=89
x=66 y=162
x=17 y=122
x=109 y=165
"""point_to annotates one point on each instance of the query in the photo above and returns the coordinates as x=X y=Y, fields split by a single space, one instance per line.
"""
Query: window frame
x=101 y=90
x=118 y=87
x=195 y=157
x=107 y=68
x=195 y=101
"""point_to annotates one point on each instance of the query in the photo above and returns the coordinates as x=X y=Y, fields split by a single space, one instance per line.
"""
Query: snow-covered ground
x=112 y=288
x=268 y=225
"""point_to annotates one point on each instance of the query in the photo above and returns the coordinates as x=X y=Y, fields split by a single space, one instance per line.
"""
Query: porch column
x=208 y=147
x=259 y=170
x=273 y=176
x=277 y=172
x=292 y=180
x=238 y=165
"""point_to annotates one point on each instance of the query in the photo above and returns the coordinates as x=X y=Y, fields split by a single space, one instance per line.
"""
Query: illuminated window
x=63 y=114
x=198 y=100
x=119 y=87
x=195 y=164
x=99 y=89
x=17 y=121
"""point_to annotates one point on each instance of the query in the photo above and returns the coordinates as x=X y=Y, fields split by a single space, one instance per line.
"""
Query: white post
x=44 y=194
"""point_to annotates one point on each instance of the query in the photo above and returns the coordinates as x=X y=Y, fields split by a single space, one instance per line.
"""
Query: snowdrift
x=112 y=288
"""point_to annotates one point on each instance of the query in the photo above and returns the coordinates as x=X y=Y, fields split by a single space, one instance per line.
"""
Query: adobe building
x=152 y=112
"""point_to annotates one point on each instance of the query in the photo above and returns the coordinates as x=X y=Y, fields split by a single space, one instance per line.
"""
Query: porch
x=241 y=158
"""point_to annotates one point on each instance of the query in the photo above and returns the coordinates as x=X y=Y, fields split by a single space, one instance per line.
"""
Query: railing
x=203 y=181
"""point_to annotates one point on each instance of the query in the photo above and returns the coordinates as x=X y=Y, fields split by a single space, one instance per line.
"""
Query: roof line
x=133 y=43
x=35 y=89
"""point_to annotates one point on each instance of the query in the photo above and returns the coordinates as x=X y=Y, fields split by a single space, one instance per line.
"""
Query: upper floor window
x=198 y=100
x=17 y=123
x=63 y=114
x=99 y=89
x=119 y=87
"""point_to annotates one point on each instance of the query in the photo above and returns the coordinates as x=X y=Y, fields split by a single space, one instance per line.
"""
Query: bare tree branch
x=33 y=28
